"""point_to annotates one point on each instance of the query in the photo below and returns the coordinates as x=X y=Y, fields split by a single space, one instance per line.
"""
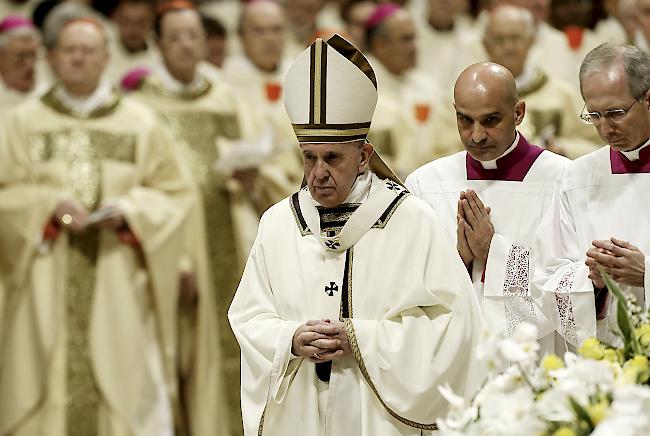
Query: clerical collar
x=492 y=164
x=175 y=86
x=513 y=165
x=84 y=106
x=636 y=153
x=633 y=161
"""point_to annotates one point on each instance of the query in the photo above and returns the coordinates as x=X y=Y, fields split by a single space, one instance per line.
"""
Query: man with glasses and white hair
x=601 y=199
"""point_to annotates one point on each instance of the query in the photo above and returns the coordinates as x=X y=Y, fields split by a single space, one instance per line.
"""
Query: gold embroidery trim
x=348 y=302
x=81 y=392
x=107 y=108
x=317 y=81
x=354 y=346
x=330 y=132
x=152 y=85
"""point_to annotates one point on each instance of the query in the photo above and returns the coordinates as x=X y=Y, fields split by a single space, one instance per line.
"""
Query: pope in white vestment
x=376 y=264
x=518 y=187
x=600 y=204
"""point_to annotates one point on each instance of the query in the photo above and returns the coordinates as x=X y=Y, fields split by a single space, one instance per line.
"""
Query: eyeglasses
x=612 y=115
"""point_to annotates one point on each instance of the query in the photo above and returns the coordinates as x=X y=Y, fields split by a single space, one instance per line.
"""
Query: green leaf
x=623 y=317
x=581 y=413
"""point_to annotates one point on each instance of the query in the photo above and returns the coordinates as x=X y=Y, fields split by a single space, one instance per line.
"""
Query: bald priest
x=354 y=305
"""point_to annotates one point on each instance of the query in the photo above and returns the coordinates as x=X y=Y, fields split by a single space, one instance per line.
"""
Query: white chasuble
x=601 y=195
x=382 y=263
x=519 y=192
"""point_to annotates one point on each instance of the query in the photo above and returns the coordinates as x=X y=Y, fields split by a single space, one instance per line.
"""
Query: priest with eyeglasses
x=599 y=216
x=354 y=305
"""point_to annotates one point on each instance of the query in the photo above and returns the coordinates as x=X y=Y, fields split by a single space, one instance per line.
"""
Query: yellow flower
x=591 y=349
x=552 y=362
x=611 y=355
x=564 y=431
x=643 y=334
x=636 y=370
x=598 y=411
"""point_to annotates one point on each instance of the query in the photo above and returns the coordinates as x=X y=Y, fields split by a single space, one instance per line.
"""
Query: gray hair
x=636 y=64
x=62 y=15
x=20 y=32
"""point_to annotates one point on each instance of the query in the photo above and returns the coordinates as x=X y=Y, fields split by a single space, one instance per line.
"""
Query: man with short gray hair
x=19 y=44
x=600 y=201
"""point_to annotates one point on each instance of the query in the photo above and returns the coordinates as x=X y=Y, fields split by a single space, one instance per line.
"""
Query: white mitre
x=330 y=93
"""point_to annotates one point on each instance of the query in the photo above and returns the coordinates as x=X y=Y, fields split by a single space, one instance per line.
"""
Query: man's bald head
x=262 y=28
x=486 y=80
x=487 y=109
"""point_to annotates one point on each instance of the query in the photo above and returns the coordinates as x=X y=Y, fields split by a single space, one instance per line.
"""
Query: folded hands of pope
x=321 y=341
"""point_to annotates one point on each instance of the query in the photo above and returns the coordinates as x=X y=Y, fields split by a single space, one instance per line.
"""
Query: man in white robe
x=354 y=305
x=403 y=134
x=492 y=197
x=599 y=215
x=132 y=45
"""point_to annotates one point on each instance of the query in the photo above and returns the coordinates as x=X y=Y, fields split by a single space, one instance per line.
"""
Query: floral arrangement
x=603 y=390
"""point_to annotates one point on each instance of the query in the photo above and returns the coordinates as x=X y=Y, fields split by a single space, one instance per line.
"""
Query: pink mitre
x=381 y=14
x=12 y=22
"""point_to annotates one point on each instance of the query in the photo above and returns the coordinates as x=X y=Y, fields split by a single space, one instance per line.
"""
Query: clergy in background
x=90 y=212
x=132 y=45
x=492 y=198
x=354 y=305
x=408 y=99
x=551 y=103
x=599 y=215
x=257 y=73
x=19 y=48
x=211 y=130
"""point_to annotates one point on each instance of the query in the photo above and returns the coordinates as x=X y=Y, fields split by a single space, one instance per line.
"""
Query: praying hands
x=474 y=228
x=624 y=262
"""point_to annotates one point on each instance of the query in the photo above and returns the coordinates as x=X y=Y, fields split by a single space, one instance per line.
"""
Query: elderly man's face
x=80 y=56
x=397 y=50
x=606 y=90
x=331 y=169
x=17 y=61
x=507 y=42
x=135 y=23
x=263 y=35
x=487 y=121
x=182 y=41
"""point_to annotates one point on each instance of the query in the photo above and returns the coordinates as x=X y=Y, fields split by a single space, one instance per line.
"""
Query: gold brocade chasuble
x=198 y=120
x=88 y=344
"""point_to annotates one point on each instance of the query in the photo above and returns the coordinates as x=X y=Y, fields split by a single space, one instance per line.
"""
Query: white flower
x=629 y=413
x=459 y=416
x=522 y=346
x=487 y=351
x=510 y=413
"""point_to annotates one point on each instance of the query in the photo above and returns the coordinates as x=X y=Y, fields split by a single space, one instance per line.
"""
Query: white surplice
x=411 y=318
x=591 y=202
x=517 y=207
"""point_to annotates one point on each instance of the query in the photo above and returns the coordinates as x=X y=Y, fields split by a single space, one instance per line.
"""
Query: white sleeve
x=561 y=272
x=508 y=297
